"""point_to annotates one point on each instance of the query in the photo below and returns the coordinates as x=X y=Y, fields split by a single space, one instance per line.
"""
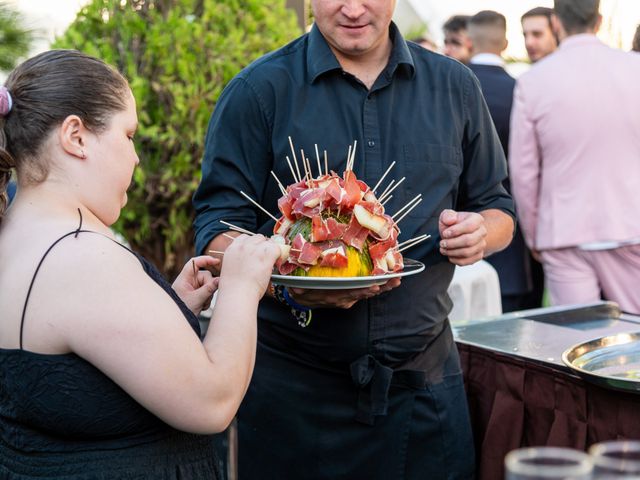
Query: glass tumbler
x=548 y=463
x=615 y=460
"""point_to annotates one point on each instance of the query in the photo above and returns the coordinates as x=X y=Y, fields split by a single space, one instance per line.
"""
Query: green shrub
x=15 y=38
x=178 y=55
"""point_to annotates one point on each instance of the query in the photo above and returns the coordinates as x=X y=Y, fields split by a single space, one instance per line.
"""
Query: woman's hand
x=248 y=263
x=195 y=285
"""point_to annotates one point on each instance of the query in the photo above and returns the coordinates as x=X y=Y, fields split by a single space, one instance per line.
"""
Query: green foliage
x=178 y=55
x=15 y=39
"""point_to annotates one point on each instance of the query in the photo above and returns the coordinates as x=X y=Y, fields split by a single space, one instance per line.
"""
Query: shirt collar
x=320 y=58
x=487 y=59
x=579 y=39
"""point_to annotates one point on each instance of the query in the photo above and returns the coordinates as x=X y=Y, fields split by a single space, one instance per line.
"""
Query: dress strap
x=26 y=300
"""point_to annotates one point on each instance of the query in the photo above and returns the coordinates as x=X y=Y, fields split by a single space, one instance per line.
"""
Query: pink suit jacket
x=574 y=151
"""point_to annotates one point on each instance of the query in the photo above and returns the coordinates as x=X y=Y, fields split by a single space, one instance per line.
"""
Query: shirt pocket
x=435 y=172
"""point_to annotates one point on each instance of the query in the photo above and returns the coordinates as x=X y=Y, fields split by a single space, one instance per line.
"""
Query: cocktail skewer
x=218 y=252
x=231 y=237
x=309 y=168
x=384 y=192
x=413 y=244
x=407 y=212
x=304 y=165
x=386 y=200
x=257 y=204
x=401 y=244
x=295 y=178
x=195 y=274
x=353 y=155
x=409 y=203
x=326 y=163
x=282 y=189
x=383 y=175
x=394 y=187
x=318 y=159
x=236 y=228
x=295 y=160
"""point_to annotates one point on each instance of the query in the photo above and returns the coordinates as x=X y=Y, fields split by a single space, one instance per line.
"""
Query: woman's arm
x=122 y=322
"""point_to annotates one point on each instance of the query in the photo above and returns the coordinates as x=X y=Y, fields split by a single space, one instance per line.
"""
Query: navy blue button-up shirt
x=424 y=111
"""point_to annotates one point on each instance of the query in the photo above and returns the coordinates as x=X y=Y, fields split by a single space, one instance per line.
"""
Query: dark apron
x=300 y=421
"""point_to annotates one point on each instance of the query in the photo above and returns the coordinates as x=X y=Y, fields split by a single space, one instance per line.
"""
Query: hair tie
x=6 y=102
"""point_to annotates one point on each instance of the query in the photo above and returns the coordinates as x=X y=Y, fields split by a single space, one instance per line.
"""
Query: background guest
x=456 y=41
x=636 y=40
x=425 y=41
x=539 y=38
x=488 y=34
x=573 y=156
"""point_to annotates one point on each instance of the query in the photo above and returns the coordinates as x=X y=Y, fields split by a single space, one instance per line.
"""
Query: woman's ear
x=72 y=136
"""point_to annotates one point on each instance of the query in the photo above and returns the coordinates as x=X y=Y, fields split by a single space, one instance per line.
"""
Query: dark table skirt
x=516 y=403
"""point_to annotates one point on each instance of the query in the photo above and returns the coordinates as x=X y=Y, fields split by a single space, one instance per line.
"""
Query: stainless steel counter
x=544 y=334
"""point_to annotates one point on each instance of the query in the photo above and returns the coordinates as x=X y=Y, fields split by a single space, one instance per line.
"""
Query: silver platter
x=411 y=267
x=612 y=361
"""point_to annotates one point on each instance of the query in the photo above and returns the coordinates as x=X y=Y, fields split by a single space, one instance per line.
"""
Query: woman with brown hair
x=102 y=369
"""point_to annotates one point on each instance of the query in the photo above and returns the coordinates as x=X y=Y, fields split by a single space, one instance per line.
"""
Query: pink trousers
x=579 y=276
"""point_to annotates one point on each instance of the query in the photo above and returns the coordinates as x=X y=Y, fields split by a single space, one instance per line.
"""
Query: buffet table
x=520 y=392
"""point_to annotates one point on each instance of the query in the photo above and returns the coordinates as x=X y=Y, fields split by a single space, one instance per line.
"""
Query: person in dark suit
x=487 y=31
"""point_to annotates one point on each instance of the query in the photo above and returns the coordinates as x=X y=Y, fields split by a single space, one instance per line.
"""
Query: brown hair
x=487 y=31
x=456 y=23
x=636 y=40
x=577 y=16
x=45 y=90
x=539 y=12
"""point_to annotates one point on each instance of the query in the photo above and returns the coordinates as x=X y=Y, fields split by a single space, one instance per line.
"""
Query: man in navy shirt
x=372 y=388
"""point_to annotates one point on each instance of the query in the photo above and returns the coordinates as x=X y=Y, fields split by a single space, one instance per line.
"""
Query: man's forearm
x=500 y=228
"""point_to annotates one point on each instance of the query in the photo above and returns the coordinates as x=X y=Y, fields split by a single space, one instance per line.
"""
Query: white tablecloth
x=475 y=292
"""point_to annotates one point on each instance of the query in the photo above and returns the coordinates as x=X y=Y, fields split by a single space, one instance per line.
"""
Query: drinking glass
x=548 y=463
x=615 y=460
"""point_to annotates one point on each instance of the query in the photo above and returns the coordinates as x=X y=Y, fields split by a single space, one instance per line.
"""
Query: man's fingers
x=448 y=217
x=473 y=251
x=463 y=241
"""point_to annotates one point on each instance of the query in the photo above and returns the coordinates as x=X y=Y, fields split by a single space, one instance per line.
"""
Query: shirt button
x=371 y=143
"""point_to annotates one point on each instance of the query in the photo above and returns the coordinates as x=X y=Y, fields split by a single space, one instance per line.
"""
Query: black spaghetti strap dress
x=62 y=418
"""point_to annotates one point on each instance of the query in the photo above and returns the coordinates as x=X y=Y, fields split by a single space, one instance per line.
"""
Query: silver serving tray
x=612 y=361
x=411 y=267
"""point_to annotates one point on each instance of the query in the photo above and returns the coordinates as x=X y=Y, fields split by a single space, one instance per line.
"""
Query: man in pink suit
x=574 y=160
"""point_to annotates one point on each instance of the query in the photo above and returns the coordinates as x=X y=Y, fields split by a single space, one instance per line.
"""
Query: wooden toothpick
x=414 y=243
x=394 y=187
x=409 y=203
x=407 y=212
x=295 y=160
x=280 y=186
x=236 y=228
x=382 y=177
x=318 y=159
x=257 y=205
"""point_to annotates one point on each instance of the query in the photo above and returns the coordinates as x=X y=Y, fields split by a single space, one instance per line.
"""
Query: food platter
x=612 y=361
x=411 y=267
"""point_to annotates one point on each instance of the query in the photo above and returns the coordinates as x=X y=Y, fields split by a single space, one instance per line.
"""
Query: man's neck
x=366 y=67
x=487 y=58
